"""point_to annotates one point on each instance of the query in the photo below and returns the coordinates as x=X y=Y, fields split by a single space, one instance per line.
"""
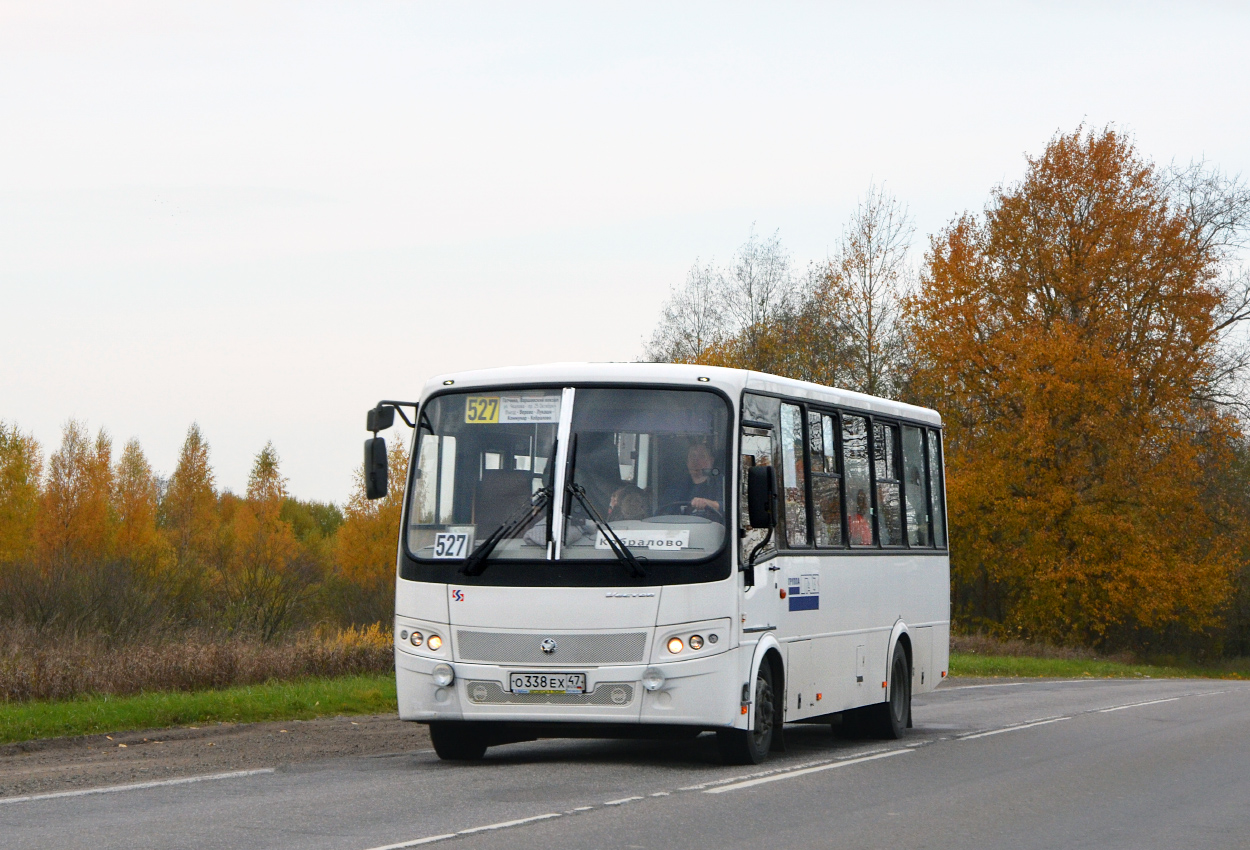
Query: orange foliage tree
x=21 y=467
x=1071 y=338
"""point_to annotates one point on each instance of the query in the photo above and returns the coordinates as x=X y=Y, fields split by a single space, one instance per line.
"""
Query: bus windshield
x=644 y=467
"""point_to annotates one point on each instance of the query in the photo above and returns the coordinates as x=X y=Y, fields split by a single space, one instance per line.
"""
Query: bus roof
x=731 y=381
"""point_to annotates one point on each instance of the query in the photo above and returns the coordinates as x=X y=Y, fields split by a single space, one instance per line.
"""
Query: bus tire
x=890 y=718
x=750 y=746
x=457 y=741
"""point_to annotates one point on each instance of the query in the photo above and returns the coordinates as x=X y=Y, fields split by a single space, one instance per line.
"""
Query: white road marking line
x=416 y=842
x=750 y=783
x=621 y=801
x=702 y=785
x=1012 y=728
x=1136 y=704
x=505 y=824
x=490 y=827
x=138 y=786
x=584 y=809
x=660 y=794
x=975 y=687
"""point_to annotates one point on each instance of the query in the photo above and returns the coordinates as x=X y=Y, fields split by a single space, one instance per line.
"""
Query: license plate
x=547 y=683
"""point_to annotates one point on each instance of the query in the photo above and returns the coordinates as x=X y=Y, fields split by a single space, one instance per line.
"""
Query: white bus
x=651 y=550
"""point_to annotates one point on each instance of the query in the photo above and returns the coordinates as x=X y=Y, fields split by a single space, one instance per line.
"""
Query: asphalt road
x=1094 y=763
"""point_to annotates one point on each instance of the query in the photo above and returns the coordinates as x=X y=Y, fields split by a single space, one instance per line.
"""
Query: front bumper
x=696 y=692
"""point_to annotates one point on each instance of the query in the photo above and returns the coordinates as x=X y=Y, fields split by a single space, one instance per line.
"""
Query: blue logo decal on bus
x=457 y=595
x=804 y=592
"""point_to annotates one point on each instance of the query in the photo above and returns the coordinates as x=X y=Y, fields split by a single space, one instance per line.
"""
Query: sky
x=264 y=217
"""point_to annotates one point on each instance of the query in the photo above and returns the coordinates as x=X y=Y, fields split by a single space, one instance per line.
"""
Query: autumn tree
x=136 y=500
x=259 y=565
x=1071 y=336
x=863 y=288
x=21 y=467
x=836 y=324
x=189 y=518
x=728 y=315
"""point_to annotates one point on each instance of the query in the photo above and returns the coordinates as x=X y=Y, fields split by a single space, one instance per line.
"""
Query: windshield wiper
x=615 y=543
x=476 y=562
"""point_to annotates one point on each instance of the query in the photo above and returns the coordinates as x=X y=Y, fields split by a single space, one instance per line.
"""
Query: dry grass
x=981 y=644
x=58 y=668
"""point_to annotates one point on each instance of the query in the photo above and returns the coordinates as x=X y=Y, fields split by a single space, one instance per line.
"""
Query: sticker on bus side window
x=495 y=410
x=804 y=592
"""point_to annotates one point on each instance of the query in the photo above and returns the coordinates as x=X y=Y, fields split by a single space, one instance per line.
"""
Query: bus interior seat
x=501 y=494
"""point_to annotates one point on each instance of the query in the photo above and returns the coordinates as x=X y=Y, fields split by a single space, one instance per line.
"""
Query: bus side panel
x=689 y=603
x=421 y=600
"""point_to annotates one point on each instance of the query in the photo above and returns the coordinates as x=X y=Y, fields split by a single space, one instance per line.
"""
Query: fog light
x=443 y=675
x=696 y=642
x=675 y=645
x=712 y=638
x=415 y=638
x=434 y=642
x=652 y=679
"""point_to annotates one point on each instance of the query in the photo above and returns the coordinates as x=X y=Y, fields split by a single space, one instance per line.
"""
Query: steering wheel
x=684 y=509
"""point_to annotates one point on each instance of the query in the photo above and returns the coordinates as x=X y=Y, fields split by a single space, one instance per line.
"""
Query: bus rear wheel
x=457 y=741
x=751 y=746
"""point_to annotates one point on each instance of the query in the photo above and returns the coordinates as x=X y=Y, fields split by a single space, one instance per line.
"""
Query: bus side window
x=937 y=504
x=858 y=483
x=885 y=469
x=794 y=480
x=914 y=487
x=826 y=480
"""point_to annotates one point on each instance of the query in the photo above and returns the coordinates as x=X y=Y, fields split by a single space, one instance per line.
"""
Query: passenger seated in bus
x=628 y=503
x=703 y=489
x=858 y=525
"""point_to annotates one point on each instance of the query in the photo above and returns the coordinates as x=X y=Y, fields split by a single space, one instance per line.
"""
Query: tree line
x=1084 y=338
x=93 y=543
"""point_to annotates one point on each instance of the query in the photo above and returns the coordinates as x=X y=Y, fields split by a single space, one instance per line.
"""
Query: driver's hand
x=699 y=503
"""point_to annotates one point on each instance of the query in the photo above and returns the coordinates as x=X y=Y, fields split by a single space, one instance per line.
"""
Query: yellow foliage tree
x=1068 y=338
x=21 y=467
x=75 y=526
x=136 y=500
x=259 y=550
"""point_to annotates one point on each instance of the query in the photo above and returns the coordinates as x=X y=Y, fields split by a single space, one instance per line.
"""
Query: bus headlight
x=443 y=675
x=652 y=679
x=434 y=642
x=675 y=645
x=415 y=639
x=696 y=642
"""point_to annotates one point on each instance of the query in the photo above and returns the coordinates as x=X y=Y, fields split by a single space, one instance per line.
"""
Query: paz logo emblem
x=548 y=646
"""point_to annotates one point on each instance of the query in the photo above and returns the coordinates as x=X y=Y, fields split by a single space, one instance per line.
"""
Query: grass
x=976 y=664
x=299 y=700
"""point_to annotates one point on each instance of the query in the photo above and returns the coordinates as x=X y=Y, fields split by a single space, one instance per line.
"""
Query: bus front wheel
x=891 y=718
x=457 y=741
x=750 y=746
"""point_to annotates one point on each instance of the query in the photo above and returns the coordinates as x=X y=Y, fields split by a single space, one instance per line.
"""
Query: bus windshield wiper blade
x=617 y=545
x=476 y=562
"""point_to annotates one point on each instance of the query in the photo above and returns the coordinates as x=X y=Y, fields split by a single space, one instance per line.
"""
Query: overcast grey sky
x=265 y=217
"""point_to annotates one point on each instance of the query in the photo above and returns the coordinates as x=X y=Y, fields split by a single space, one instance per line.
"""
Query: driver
x=703 y=490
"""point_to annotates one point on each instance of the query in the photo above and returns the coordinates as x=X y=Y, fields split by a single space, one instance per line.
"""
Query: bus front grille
x=605 y=693
x=513 y=648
